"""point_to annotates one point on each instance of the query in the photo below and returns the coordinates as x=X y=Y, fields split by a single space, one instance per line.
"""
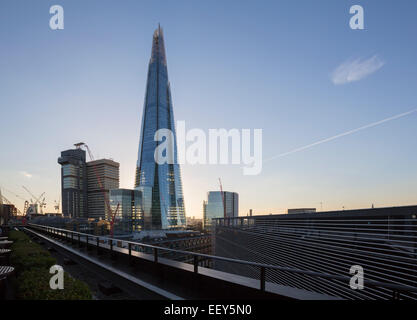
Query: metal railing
x=262 y=267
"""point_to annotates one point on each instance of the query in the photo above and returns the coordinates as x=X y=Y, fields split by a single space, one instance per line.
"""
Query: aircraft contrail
x=342 y=135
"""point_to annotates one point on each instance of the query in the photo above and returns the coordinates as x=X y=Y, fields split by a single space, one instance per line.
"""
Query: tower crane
x=112 y=214
x=222 y=193
x=17 y=196
x=56 y=206
x=41 y=204
x=13 y=193
x=26 y=207
x=31 y=194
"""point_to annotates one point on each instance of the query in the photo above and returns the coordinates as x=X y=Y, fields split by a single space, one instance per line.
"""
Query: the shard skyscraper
x=163 y=201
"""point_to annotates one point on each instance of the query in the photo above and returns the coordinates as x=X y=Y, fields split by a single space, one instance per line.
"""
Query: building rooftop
x=104 y=161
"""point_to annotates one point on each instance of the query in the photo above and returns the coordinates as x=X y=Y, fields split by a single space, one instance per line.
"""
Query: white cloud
x=356 y=70
x=26 y=174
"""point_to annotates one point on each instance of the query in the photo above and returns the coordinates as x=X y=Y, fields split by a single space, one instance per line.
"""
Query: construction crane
x=41 y=204
x=31 y=194
x=38 y=199
x=26 y=207
x=56 y=206
x=105 y=194
x=222 y=193
x=17 y=196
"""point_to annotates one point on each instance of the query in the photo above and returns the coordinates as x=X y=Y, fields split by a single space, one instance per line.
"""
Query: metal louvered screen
x=385 y=245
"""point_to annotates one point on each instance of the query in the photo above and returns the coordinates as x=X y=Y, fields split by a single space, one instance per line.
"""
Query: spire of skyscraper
x=158 y=46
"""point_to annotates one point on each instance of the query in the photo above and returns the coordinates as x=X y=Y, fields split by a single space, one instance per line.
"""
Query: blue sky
x=232 y=64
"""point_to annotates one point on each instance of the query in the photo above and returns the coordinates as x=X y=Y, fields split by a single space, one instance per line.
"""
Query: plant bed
x=34 y=285
x=32 y=264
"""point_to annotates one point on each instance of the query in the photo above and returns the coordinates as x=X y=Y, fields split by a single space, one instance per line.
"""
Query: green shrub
x=32 y=263
x=27 y=254
x=34 y=285
x=22 y=261
x=17 y=236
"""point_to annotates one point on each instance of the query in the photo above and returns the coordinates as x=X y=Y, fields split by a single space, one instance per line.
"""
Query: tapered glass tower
x=163 y=201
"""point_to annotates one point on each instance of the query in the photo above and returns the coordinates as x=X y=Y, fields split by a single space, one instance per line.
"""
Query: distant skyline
x=292 y=68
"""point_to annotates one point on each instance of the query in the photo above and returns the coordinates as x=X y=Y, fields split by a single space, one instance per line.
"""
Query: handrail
x=372 y=283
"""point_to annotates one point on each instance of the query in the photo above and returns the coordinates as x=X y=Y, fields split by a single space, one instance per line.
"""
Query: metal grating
x=386 y=247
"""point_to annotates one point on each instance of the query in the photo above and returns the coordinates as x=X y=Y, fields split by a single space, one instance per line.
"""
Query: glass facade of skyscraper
x=159 y=182
x=129 y=215
x=214 y=207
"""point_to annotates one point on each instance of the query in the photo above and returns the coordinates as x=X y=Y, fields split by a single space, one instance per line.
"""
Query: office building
x=214 y=208
x=160 y=183
x=73 y=183
x=103 y=175
x=85 y=185
x=127 y=204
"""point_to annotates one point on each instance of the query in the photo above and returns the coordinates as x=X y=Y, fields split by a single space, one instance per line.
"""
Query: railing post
x=130 y=252
x=155 y=254
x=98 y=245
x=72 y=237
x=113 y=254
x=86 y=243
x=195 y=264
x=79 y=241
x=262 y=278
